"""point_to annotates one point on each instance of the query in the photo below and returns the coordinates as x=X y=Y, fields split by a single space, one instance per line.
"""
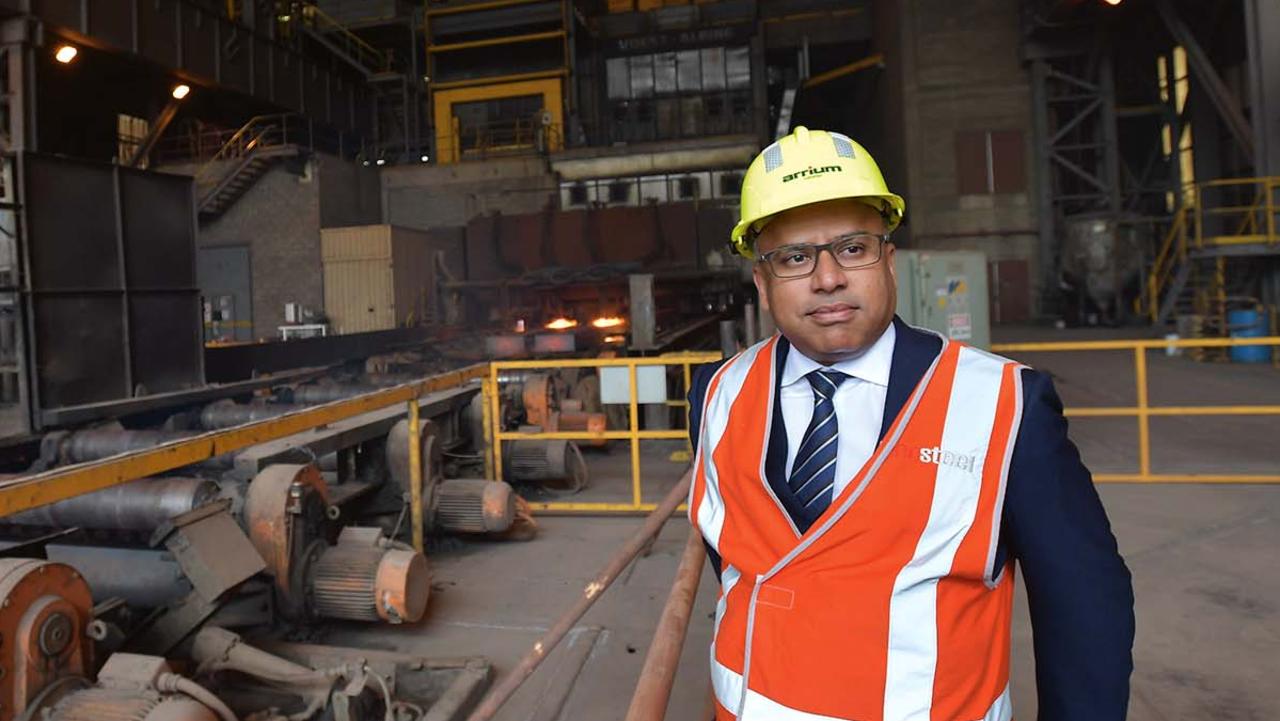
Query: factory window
x=578 y=194
x=131 y=132
x=990 y=162
x=730 y=184
x=619 y=191
x=676 y=94
x=688 y=188
x=618 y=81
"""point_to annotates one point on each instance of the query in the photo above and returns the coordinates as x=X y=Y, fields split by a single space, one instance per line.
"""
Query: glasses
x=851 y=251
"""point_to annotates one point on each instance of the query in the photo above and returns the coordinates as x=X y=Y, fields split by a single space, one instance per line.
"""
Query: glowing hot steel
x=562 y=324
x=607 y=322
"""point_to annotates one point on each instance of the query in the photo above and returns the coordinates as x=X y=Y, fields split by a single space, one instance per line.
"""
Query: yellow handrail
x=1172 y=253
x=233 y=144
x=369 y=56
x=1143 y=411
x=632 y=434
x=1255 y=222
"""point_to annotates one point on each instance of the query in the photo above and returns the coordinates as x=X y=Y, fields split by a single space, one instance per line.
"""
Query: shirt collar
x=873 y=365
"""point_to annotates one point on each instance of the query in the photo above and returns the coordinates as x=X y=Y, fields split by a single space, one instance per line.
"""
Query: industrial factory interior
x=409 y=360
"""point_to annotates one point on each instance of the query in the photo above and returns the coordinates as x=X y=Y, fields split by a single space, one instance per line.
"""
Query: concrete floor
x=1203 y=560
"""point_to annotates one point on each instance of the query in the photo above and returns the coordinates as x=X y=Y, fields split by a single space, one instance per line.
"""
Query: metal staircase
x=243 y=160
x=1221 y=225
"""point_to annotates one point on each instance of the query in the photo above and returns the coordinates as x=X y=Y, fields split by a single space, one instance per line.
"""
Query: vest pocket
x=776 y=596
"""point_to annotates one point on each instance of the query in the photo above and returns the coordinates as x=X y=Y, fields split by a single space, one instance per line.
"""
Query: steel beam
x=1262 y=18
x=157 y=32
x=1223 y=99
x=1046 y=213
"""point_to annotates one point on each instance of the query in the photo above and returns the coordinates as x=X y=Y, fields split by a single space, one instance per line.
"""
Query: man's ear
x=762 y=286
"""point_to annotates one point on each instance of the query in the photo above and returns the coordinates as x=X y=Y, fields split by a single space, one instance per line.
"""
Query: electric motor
x=475 y=506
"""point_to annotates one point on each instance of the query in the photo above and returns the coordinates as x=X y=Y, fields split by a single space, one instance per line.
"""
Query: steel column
x=1226 y=102
x=1262 y=17
x=1046 y=213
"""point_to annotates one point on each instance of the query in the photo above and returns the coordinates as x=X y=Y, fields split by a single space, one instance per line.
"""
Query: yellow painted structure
x=27 y=492
x=449 y=140
x=1255 y=223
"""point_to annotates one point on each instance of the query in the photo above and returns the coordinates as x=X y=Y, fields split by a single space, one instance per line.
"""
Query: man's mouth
x=832 y=312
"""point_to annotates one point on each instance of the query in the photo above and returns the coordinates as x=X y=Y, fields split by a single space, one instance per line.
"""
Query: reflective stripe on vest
x=888 y=608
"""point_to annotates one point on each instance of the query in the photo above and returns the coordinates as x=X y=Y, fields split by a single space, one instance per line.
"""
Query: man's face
x=833 y=314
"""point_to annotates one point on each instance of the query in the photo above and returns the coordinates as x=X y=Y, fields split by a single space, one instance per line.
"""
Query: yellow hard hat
x=809 y=166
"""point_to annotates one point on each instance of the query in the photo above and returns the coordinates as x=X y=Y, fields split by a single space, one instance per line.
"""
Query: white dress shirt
x=859 y=403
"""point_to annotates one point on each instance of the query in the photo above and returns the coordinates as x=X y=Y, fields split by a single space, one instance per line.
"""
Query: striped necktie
x=814 y=472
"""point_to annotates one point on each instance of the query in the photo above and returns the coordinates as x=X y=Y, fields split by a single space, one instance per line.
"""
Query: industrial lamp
x=181 y=91
x=65 y=54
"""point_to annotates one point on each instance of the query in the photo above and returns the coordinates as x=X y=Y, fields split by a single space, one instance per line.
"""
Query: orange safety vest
x=888 y=608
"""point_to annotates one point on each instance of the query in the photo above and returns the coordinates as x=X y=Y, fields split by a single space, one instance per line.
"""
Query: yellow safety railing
x=1143 y=411
x=496 y=435
x=1214 y=216
x=1172 y=254
x=32 y=491
x=1253 y=222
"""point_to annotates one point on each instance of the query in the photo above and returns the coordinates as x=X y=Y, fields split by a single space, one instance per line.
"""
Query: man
x=865 y=488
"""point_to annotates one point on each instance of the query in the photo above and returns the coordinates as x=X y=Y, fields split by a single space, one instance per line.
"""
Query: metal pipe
x=96 y=444
x=728 y=338
x=503 y=690
x=228 y=414
x=141 y=505
x=415 y=474
x=142 y=577
x=749 y=318
x=653 y=691
x=311 y=394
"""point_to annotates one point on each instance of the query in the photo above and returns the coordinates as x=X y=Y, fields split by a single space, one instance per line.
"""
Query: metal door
x=225 y=283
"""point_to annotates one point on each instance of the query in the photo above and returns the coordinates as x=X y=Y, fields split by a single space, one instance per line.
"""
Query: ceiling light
x=1113 y=3
x=181 y=91
x=382 y=161
x=65 y=54
x=425 y=158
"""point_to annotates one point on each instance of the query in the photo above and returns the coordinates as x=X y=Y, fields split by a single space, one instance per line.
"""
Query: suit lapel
x=913 y=352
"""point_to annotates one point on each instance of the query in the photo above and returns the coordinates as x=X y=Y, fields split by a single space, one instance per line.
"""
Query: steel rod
x=503 y=690
x=653 y=691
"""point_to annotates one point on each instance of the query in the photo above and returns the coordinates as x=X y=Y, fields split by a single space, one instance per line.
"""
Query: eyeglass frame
x=828 y=247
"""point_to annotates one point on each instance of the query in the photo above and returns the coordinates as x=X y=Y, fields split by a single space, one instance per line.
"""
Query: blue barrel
x=1248 y=324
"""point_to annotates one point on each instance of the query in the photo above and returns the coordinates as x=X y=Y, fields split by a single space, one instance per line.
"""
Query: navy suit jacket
x=1079 y=591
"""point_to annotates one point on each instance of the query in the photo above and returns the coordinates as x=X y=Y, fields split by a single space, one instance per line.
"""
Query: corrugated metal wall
x=359 y=287
x=659 y=236
x=378 y=277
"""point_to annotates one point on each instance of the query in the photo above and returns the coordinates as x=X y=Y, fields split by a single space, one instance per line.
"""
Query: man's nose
x=828 y=276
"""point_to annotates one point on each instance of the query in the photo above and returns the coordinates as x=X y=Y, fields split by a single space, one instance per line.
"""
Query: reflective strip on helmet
x=772 y=158
x=844 y=145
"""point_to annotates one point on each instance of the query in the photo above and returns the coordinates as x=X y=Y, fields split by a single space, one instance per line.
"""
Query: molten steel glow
x=607 y=322
x=615 y=339
x=562 y=324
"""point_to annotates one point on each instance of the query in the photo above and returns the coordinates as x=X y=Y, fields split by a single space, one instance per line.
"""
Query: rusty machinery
x=559 y=401
x=45 y=612
x=361 y=575
x=49 y=671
